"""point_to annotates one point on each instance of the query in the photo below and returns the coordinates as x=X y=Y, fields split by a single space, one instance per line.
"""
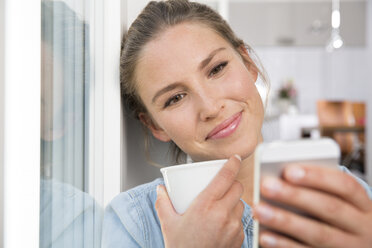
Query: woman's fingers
x=269 y=239
x=222 y=182
x=329 y=180
x=308 y=231
x=233 y=195
x=326 y=207
x=340 y=206
x=163 y=205
x=239 y=209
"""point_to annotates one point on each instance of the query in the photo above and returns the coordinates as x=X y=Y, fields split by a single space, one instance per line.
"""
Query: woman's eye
x=217 y=69
x=174 y=99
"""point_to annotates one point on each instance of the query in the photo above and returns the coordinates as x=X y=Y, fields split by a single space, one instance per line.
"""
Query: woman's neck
x=245 y=177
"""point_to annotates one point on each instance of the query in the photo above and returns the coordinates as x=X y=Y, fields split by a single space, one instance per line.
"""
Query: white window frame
x=2 y=64
x=21 y=123
x=105 y=108
x=112 y=100
x=20 y=115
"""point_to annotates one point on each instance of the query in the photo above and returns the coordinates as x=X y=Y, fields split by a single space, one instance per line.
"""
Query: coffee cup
x=184 y=182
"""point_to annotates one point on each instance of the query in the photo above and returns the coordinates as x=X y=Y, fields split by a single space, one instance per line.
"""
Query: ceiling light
x=335 y=42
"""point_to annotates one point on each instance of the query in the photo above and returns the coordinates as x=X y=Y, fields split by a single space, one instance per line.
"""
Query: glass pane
x=69 y=216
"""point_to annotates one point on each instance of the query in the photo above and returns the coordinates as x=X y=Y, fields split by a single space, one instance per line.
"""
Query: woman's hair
x=157 y=17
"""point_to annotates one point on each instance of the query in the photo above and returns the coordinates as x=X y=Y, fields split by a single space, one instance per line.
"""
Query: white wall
x=1 y=121
x=318 y=74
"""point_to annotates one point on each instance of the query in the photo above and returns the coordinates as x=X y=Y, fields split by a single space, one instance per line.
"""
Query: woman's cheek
x=240 y=84
x=176 y=120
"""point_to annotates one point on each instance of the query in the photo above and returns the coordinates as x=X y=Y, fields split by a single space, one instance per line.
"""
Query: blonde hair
x=152 y=21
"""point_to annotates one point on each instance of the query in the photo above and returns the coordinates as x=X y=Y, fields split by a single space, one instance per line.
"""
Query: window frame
x=20 y=115
x=21 y=160
x=105 y=107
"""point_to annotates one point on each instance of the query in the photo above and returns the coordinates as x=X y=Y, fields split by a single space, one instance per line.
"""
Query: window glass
x=69 y=215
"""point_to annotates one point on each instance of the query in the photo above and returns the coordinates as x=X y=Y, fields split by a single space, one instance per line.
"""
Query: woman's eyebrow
x=166 y=89
x=206 y=61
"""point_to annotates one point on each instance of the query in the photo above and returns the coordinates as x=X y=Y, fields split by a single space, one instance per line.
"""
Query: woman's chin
x=245 y=151
x=214 y=153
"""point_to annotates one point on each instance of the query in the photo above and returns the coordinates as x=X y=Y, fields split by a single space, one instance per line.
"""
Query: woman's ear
x=156 y=131
x=249 y=63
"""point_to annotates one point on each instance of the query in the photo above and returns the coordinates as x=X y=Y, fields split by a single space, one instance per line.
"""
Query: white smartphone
x=271 y=158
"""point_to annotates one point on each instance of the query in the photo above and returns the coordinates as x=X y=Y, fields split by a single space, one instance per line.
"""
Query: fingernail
x=254 y=212
x=264 y=212
x=271 y=184
x=268 y=240
x=238 y=157
x=296 y=173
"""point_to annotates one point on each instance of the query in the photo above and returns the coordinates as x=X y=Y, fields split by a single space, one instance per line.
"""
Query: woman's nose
x=209 y=107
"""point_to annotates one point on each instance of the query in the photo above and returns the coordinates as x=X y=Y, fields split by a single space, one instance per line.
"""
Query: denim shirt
x=132 y=221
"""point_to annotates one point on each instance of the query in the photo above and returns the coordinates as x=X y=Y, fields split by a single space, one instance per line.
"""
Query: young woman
x=191 y=81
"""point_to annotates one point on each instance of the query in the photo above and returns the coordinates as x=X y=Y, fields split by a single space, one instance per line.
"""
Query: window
x=80 y=120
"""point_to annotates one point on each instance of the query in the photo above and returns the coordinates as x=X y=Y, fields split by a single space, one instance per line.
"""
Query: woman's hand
x=340 y=205
x=213 y=218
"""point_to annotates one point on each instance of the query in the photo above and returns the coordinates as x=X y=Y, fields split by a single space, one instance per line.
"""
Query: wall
x=138 y=170
x=318 y=74
x=295 y=23
x=2 y=14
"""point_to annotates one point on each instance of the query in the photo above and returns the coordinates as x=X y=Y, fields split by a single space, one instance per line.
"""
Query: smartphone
x=271 y=158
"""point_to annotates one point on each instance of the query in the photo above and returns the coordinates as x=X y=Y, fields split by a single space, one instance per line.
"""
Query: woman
x=191 y=81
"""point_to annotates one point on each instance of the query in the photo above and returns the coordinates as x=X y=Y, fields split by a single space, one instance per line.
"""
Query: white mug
x=184 y=182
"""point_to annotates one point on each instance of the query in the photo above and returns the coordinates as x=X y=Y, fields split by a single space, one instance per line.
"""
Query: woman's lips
x=226 y=128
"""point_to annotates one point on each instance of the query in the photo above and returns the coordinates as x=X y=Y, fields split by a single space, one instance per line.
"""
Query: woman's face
x=199 y=93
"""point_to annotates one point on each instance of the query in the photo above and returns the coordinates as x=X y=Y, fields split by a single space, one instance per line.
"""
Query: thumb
x=163 y=205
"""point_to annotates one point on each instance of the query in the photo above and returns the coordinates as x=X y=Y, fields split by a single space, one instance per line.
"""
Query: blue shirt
x=132 y=221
